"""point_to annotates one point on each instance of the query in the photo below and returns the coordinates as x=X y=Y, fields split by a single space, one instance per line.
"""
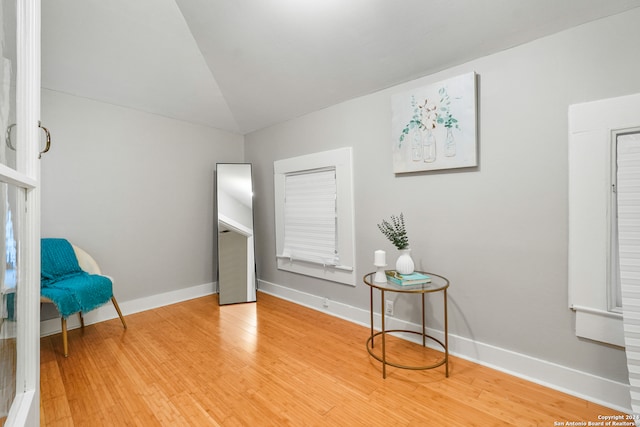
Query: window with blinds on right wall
x=625 y=211
x=604 y=214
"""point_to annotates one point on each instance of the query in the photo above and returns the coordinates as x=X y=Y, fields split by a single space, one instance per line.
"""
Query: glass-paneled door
x=19 y=212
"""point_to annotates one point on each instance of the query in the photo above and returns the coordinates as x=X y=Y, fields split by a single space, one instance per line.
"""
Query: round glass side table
x=437 y=284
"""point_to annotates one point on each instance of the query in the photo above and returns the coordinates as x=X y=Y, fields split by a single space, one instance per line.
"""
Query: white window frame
x=341 y=160
x=593 y=127
x=615 y=285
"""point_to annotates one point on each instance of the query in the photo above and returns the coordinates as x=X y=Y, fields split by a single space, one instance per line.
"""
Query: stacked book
x=414 y=278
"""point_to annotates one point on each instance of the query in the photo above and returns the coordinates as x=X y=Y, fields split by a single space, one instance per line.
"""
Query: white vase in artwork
x=449 y=144
x=404 y=264
x=429 y=147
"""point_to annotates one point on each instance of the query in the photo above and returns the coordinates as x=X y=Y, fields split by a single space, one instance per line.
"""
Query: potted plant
x=396 y=232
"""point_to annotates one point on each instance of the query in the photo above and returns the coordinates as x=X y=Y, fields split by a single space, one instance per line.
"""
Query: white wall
x=135 y=190
x=497 y=231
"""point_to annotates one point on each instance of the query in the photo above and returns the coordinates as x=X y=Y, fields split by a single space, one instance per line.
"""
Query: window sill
x=598 y=325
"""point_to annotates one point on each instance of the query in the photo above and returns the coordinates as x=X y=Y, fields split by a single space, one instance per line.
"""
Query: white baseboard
x=107 y=312
x=596 y=389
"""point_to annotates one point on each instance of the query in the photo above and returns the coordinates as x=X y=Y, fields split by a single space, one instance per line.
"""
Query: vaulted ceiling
x=242 y=65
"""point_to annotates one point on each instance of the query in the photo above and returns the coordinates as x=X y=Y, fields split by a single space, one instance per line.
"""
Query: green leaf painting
x=434 y=127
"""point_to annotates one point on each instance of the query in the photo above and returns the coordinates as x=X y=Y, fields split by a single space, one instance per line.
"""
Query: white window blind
x=629 y=244
x=310 y=232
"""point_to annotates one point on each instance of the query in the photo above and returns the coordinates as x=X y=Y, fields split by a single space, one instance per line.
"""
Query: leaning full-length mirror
x=236 y=258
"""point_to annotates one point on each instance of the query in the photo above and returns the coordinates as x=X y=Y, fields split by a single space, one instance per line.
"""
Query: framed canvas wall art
x=434 y=126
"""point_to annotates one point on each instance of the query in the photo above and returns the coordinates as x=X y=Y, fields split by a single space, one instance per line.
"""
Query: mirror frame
x=233 y=226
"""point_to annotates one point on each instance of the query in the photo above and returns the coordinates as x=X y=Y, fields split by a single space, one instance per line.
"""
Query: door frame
x=25 y=410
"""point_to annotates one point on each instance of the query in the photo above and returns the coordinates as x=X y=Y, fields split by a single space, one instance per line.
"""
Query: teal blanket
x=63 y=281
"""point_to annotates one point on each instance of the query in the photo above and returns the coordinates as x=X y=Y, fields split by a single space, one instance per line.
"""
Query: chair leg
x=115 y=304
x=65 y=343
x=81 y=319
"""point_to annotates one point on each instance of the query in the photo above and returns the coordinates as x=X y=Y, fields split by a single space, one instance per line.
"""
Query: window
x=625 y=146
x=595 y=130
x=310 y=217
x=314 y=215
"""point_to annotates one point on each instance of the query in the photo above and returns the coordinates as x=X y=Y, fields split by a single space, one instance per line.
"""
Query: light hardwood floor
x=272 y=363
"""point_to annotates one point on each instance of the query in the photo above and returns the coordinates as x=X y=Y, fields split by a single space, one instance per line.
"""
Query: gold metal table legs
x=383 y=332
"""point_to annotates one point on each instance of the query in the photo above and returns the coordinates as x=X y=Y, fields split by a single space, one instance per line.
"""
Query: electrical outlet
x=388 y=308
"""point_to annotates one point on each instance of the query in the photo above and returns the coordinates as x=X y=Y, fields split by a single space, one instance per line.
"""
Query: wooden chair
x=89 y=265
